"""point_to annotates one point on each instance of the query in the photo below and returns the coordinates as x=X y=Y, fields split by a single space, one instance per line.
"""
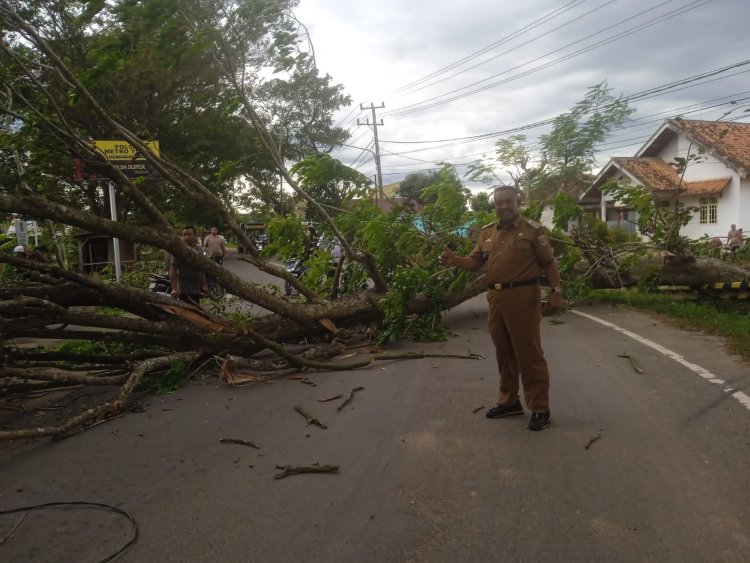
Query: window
x=708 y=209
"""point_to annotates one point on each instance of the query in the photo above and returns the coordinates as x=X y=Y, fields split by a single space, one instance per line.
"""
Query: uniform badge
x=543 y=240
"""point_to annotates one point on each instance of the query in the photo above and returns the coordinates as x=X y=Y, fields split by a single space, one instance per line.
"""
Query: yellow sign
x=122 y=150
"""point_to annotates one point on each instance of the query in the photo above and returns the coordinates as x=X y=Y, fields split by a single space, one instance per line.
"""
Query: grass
x=727 y=318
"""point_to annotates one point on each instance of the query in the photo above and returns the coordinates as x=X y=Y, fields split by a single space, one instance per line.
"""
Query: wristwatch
x=556 y=289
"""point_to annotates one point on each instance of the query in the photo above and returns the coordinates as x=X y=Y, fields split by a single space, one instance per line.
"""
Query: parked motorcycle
x=216 y=291
x=162 y=284
x=296 y=267
x=159 y=284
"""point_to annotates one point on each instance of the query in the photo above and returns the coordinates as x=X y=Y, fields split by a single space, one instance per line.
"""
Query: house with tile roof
x=716 y=180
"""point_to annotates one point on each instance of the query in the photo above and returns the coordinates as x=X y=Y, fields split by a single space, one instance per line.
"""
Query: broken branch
x=287 y=470
x=239 y=442
x=593 y=439
x=633 y=362
x=350 y=397
x=13 y=529
x=326 y=399
x=310 y=418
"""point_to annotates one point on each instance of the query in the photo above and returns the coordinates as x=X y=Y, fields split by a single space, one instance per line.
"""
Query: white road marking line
x=741 y=397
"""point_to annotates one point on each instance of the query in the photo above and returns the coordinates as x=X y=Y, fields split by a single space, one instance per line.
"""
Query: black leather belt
x=511 y=285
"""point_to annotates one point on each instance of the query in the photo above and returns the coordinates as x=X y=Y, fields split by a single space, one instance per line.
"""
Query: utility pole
x=374 y=126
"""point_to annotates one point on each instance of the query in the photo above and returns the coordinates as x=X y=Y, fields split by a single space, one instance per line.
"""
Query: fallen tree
x=48 y=94
x=52 y=105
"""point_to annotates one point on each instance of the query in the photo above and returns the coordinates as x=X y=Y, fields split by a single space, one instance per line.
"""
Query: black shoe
x=539 y=420
x=500 y=411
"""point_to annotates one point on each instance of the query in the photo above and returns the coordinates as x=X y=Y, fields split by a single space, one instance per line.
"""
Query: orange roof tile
x=650 y=171
x=659 y=176
x=729 y=141
x=708 y=187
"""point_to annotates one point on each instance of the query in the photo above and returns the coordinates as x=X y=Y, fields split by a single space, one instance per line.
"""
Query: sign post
x=22 y=233
x=123 y=156
x=115 y=240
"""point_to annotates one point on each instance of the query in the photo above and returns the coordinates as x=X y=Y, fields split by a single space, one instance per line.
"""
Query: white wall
x=730 y=207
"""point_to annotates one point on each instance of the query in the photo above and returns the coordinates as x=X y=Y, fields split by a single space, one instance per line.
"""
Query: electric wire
x=120 y=511
x=505 y=39
x=652 y=92
x=659 y=19
x=438 y=100
x=485 y=61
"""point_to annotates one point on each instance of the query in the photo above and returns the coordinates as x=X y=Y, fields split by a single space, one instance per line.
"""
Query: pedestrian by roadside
x=188 y=282
x=734 y=238
x=215 y=246
x=517 y=251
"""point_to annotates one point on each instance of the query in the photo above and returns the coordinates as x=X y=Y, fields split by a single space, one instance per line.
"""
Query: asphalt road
x=424 y=476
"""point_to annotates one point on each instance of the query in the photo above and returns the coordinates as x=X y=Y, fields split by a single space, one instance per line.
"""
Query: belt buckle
x=501 y=286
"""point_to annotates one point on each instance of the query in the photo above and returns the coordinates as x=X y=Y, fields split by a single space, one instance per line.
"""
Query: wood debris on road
x=593 y=439
x=239 y=442
x=287 y=470
x=633 y=361
x=350 y=397
x=310 y=418
x=332 y=398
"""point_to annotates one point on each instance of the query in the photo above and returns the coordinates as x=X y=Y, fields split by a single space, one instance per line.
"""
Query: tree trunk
x=693 y=272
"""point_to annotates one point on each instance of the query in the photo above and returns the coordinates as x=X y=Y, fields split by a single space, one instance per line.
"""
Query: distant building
x=717 y=182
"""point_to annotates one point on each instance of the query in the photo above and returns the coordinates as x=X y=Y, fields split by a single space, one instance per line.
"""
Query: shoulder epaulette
x=488 y=225
x=534 y=224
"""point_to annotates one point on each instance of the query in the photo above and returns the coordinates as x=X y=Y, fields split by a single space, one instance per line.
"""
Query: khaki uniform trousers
x=513 y=322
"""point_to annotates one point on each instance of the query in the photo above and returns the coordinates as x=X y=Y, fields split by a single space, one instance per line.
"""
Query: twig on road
x=287 y=470
x=310 y=418
x=350 y=397
x=633 y=362
x=593 y=439
x=239 y=442
x=333 y=398
x=13 y=529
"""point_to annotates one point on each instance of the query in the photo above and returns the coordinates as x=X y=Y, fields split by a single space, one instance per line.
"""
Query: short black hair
x=506 y=187
x=186 y=227
x=42 y=248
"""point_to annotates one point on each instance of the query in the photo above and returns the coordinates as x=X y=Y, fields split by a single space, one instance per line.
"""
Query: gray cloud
x=374 y=48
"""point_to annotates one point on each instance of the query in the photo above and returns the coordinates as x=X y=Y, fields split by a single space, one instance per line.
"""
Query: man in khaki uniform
x=517 y=251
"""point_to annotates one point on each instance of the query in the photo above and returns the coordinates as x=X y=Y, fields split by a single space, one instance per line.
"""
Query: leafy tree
x=445 y=200
x=414 y=184
x=566 y=209
x=565 y=157
x=152 y=65
x=329 y=182
x=481 y=202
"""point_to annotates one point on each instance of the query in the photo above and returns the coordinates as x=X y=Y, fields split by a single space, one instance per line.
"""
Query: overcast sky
x=447 y=70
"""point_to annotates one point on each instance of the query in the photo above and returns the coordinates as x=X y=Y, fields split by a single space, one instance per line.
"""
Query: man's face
x=188 y=235
x=214 y=231
x=506 y=205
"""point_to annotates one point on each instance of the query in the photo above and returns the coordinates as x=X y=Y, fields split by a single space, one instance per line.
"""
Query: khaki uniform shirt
x=516 y=253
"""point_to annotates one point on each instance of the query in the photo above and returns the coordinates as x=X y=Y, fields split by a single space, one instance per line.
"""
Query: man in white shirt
x=214 y=245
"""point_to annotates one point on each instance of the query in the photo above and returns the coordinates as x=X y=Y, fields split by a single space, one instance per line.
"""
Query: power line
x=644 y=94
x=407 y=108
x=475 y=54
x=416 y=107
x=515 y=48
